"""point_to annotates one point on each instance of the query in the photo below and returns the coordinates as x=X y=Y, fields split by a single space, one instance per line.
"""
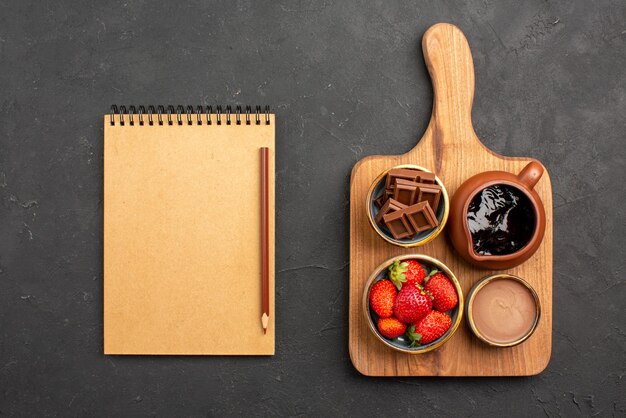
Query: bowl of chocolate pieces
x=407 y=205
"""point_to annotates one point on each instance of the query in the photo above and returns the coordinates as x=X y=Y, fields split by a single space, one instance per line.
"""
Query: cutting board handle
x=449 y=61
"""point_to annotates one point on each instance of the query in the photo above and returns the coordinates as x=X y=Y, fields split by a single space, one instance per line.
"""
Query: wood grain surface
x=452 y=150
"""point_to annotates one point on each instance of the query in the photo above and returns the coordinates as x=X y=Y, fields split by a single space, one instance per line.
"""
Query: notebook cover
x=182 y=255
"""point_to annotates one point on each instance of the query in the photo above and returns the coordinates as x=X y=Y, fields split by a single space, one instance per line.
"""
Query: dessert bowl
x=403 y=342
x=421 y=238
x=504 y=316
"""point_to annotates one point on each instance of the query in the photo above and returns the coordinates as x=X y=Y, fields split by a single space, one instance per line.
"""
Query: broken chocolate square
x=380 y=201
x=400 y=173
x=430 y=193
x=389 y=206
x=405 y=192
x=425 y=177
x=398 y=225
x=420 y=216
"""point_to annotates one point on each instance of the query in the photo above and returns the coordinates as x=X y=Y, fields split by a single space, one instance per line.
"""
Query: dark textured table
x=346 y=80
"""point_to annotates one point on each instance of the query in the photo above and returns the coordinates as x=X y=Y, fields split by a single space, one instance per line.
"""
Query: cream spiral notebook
x=182 y=245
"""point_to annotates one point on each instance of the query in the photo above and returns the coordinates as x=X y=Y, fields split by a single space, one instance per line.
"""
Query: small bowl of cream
x=503 y=310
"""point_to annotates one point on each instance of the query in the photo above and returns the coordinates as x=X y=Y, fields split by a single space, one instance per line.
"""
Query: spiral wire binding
x=260 y=114
x=219 y=115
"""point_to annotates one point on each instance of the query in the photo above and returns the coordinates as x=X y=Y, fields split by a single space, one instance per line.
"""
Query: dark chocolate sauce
x=501 y=220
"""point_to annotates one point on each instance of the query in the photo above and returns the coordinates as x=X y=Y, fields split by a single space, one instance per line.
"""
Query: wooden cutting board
x=452 y=150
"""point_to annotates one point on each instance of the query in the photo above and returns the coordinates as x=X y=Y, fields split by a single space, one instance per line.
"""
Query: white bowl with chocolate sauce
x=503 y=310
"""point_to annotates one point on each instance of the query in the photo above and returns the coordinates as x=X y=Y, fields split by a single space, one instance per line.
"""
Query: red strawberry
x=429 y=328
x=443 y=291
x=412 y=304
x=415 y=273
x=391 y=327
x=382 y=296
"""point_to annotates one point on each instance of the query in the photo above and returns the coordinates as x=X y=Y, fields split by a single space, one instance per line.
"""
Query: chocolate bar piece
x=380 y=201
x=430 y=193
x=405 y=192
x=400 y=173
x=389 y=206
x=424 y=177
x=420 y=216
x=398 y=224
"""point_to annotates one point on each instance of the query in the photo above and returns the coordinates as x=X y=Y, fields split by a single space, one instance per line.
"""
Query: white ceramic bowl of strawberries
x=413 y=303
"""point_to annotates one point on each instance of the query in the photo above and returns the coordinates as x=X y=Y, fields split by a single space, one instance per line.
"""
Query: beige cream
x=504 y=311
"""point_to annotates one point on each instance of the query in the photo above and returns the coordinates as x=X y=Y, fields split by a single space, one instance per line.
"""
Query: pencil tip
x=264 y=331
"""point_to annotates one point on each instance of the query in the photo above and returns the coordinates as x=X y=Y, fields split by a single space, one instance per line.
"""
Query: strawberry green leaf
x=396 y=273
x=413 y=336
x=432 y=273
x=397 y=280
